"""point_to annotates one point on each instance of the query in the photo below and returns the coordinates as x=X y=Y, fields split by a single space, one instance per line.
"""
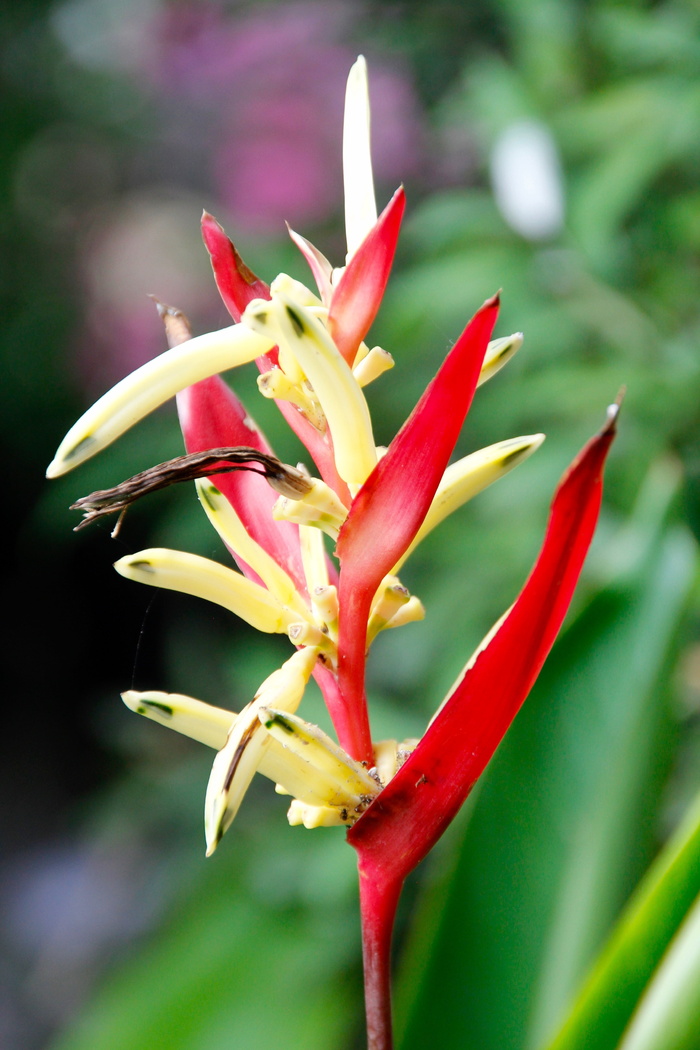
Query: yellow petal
x=248 y=743
x=211 y=726
x=203 y=722
x=388 y=600
x=234 y=534
x=373 y=364
x=498 y=354
x=191 y=574
x=313 y=557
x=151 y=385
x=411 y=612
x=386 y=759
x=469 y=476
x=294 y=290
x=319 y=508
x=333 y=383
x=315 y=816
x=330 y=772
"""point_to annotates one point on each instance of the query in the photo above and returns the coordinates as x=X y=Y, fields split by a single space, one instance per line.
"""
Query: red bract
x=391 y=505
x=211 y=416
x=236 y=282
x=416 y=806
x=357 y=297
x=238 y=286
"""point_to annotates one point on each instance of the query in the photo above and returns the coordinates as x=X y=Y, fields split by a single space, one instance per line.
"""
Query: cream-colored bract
x=358 y=180
x=233 y=532
x=152 y=385
x=339 y=393
x=204 y=578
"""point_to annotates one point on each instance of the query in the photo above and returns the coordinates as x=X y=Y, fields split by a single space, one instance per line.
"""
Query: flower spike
x=378 y=504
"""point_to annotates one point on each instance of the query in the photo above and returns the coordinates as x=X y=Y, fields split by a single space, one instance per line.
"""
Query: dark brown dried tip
x=286 y=480
x=177 y=327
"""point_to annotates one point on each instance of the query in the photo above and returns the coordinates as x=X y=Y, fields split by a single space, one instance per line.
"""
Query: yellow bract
x=203 y=578
x=150 y=386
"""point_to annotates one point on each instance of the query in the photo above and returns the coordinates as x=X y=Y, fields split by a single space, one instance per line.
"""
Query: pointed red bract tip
x=358 y=295
x=413 y=810
x=236 y=282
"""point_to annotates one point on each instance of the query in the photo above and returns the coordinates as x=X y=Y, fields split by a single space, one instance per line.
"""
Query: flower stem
x=379 y=897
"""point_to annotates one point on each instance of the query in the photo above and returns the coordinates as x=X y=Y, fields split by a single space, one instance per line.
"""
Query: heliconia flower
x=377 y=505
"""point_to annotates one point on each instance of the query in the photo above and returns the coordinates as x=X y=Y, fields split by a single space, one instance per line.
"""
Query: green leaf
x=659 y=905
x=668 y=1017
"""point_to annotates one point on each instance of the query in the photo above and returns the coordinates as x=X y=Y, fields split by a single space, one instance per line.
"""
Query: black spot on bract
x=297 y=323
x=143 y=565
x=165 y=708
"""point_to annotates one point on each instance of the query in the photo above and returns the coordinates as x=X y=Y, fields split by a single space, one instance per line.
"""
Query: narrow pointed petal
x=360 y=202
x=150 y=386
x=358 y=295
x=318 y=264
x=468 y=477
x=203 y=578
x=248 y=742
x=203 y=722
x=335 y=386
x=211 y=414
x=391 y=505
x=237 y=538
x=420 y=801
x=236 y=282
x=334 y=777
x=372 y=365
x=211 y=726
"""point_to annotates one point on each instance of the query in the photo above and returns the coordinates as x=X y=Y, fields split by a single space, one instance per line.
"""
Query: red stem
x=379 y=897
x=351 y=724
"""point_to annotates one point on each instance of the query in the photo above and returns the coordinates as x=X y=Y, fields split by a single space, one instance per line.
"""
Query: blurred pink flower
x=275 y=152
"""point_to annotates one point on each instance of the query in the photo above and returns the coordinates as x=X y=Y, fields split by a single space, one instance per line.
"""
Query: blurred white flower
x=527 y=180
